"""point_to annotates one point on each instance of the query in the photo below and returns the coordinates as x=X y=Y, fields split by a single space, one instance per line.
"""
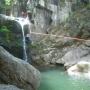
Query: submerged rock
x=8 y=87
x=17 y=72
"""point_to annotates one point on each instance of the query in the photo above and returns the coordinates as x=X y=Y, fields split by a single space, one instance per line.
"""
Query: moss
x=83 y=67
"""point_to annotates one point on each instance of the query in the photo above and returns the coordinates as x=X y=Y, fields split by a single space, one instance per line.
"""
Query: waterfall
x=24 y=43
x=23 y=22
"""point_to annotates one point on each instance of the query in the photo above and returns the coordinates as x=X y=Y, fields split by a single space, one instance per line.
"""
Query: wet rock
x=8 y=87
x=11 y=37
x=17 y=72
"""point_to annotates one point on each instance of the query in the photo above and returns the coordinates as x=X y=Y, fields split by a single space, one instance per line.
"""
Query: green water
x=56 y=79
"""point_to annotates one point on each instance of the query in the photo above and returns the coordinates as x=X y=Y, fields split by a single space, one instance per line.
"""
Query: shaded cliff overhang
x=39 y=7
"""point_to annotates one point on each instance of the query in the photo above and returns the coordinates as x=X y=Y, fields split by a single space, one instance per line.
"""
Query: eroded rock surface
x=17 y=72
x=8 y=87
x=81 y=53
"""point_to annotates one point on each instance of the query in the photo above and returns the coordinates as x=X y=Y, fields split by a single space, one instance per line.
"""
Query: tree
x=5 y=6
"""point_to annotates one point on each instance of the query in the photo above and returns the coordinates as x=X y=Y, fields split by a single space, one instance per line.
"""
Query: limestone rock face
x=8 y=87
x=81 y=53
x=17 y=72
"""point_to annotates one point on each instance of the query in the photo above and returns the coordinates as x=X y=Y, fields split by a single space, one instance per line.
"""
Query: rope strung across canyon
x=60 y=36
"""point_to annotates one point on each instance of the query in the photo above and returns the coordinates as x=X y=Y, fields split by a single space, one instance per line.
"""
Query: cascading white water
x=23 y=22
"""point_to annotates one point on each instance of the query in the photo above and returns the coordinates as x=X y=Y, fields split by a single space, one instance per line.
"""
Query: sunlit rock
x=81 y=69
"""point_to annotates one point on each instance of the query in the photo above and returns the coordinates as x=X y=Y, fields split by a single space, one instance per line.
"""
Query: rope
x=60 y=36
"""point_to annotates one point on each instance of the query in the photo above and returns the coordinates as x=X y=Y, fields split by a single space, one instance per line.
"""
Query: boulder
x=17 y=72
x=8 y=87
x=82 y=68
x=80 y=53
x=11 y=36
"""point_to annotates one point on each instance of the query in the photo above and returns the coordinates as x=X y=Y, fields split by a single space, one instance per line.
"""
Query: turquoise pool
x=56 y=79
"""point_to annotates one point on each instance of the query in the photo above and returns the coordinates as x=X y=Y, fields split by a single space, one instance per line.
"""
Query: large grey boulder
x=8 y=87
x=17 y=72
x=81 y=53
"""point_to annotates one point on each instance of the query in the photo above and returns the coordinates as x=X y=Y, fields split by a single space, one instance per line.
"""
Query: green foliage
x=5 y=5
x=5 y=33
x=37 y=46
x=8 y=2
x=4 y=29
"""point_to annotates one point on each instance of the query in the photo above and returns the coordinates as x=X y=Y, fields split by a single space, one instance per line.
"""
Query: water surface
x=56 y=79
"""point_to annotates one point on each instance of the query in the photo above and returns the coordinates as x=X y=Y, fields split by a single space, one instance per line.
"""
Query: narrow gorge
x=44 y=44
